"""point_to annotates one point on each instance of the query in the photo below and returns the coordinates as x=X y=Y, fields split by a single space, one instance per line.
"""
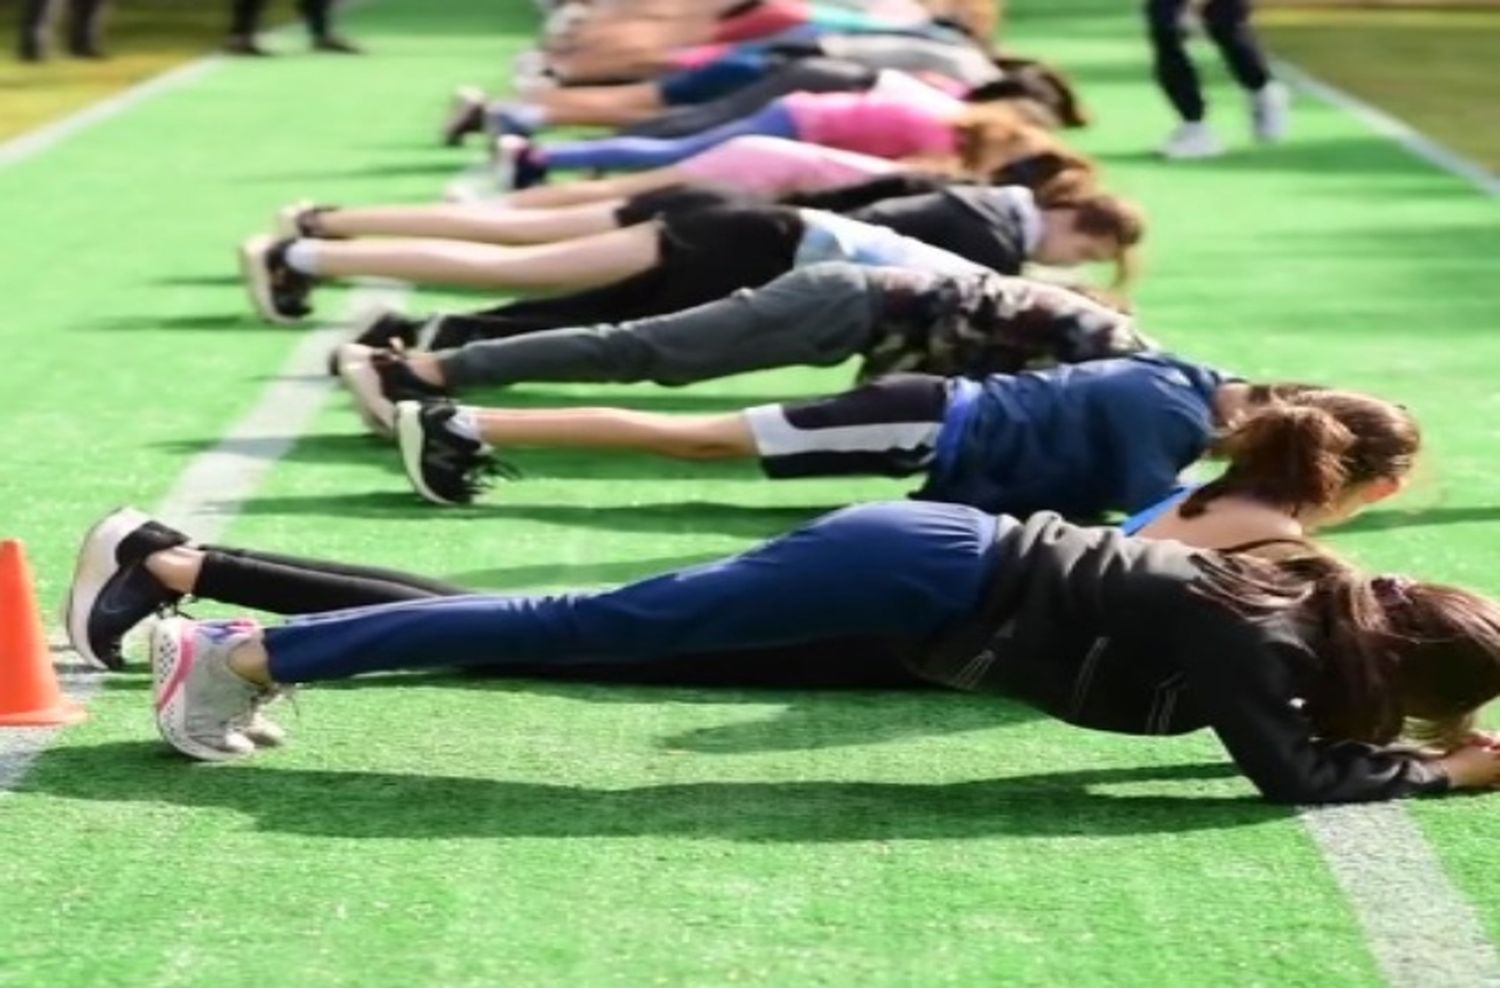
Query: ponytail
x=1389 y=656
x=1283 y=455
x=1301 y=447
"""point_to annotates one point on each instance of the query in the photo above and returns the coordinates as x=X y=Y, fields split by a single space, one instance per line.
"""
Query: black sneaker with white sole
x=443 y=466
x=465 y=116
x=381 y=329
x=112 y=590
x=378 y=377
x=279 y=292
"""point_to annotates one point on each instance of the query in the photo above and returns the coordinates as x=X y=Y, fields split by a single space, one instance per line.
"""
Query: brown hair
x=1049 y=86
x=1099 y=214
x=1052 y=175
x=1303 y=447
x=1394 y=656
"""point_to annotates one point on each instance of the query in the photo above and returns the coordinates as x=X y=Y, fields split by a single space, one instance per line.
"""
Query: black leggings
x=1228 y=24
x=246 y=15
x=289 y=585
x=806 y=75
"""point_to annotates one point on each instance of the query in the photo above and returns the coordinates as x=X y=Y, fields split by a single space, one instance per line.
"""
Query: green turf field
x=457 y=832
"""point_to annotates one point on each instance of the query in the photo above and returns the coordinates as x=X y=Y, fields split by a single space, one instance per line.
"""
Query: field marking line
x=1390 y=127
x=216 y=483
x=1420 y=927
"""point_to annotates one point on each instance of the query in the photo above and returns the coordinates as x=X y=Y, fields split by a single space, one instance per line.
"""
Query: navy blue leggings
x=656 y=152
x=1228 y=24
x=896 y=572
x=714 y=79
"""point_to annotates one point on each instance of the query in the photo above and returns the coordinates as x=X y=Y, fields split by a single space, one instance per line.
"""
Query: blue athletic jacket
x=1080 y=439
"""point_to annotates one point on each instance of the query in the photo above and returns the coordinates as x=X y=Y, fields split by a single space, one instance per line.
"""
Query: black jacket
x=1104 y=631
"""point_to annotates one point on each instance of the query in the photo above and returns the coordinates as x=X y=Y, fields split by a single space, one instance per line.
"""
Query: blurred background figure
x=245 y=24
x=1227 y=23
x=84 y=20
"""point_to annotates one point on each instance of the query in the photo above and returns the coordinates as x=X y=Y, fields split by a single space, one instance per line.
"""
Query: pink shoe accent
x=185 y=658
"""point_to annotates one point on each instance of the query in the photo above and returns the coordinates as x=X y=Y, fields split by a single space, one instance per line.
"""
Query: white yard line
x=1420 y=927
x=1388 y=126
x=214 y=484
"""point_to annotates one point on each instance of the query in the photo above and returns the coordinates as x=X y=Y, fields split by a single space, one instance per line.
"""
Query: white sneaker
x=201 y=703
x=1270 y=111
x=1192 y=140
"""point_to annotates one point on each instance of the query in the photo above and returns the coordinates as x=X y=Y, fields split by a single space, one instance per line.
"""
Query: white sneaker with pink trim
x=202 y=705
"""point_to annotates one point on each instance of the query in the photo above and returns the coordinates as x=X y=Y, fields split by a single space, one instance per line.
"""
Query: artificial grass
x=1431 y=67
x=445 y=830
x=142 y=37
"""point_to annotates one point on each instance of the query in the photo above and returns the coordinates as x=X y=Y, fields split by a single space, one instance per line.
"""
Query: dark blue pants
x=655 y=152
x=896 y=572
x=714 y=79
x=1228 y=24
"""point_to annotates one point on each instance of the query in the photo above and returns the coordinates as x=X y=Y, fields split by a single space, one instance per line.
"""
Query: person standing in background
x=318 y=14
x=84 y=20
x=1227 y=23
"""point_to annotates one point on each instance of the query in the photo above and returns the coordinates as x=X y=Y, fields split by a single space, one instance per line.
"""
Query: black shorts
x=889 y=427
x=707 y=254
x=682 y=198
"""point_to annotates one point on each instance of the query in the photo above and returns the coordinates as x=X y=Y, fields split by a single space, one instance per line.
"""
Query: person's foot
x=335 y=44
x=378 y=378
x=465 y=115
x=508 y=118
x=1192 y=140
x=245 y=44
x=112 y=591
x=379 y=328
x=444 y=466
x=260 y=730
x=516 y=163
x=202 y=705
x=1270 y=112
x=300 y=219
x=278 y=292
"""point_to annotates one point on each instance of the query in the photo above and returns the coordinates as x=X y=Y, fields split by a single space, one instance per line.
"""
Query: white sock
x=465 y=424
x=302 y=255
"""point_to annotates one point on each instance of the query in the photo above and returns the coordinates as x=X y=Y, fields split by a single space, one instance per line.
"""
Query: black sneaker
x=465 y=115
x=516 y=162
x=300 y=219
x=443 y=467
x=112 y=590
x=380 y=329
x=278 y=292
x=378 y=378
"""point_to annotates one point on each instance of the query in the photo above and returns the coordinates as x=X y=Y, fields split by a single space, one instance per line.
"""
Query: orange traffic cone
x=29 y=695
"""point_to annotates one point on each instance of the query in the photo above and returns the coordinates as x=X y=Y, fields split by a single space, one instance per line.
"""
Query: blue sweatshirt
x=1080 y=439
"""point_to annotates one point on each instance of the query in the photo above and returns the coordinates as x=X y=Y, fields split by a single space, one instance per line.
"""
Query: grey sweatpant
x=819 y=315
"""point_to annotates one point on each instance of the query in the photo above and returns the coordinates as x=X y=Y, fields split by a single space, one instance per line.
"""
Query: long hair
x=1393 y=656
x=1301 y=448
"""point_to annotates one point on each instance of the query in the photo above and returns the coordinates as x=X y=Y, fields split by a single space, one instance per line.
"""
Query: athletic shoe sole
x=411 y=435
x=172 y=658
x=95 y=567
x=258 y=279
x=363 y=383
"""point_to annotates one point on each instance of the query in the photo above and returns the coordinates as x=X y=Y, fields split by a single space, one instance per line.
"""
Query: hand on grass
x=1473 y=767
